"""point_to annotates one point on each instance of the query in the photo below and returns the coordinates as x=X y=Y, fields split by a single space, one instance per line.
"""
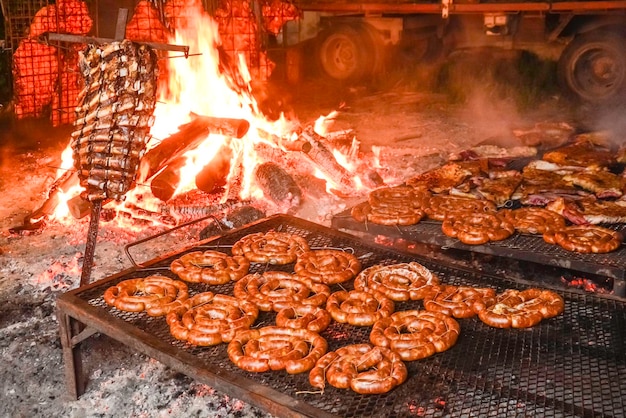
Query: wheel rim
x=598 y=72
x=340 y=57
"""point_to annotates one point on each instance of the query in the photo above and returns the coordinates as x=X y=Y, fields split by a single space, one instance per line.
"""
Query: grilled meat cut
x=603 y=184
x=113 y=117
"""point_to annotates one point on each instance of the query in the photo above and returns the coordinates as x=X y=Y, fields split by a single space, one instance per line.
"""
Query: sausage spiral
x=522 y=309
x=157 y=295
x=212 y=267
x=398 y=282
x=585 y=239
x=415 y=334
x=439 y=207
x=475 y=228
x=276 y=348
x=309 y=317
x=359 y=308
x=387 y=215
x=534 y=220
x=399 y=205
x=271 y=247
x=364 y=368
x=209 y=319
x=459 y=301
x=327 y=266
x=276 y=290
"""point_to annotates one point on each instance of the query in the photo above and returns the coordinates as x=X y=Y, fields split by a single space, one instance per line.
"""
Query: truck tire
x=346 y=53
x=592 y=67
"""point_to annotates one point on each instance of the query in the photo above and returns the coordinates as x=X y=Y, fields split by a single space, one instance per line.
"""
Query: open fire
x=217 y=140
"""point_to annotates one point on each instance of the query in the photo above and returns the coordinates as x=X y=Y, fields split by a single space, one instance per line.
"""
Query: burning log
x=188 y=137
x=185 y=212
x=241 y=216
x=326 y=161
x=79 y=207
x=214 y=175
x=278 y=185
x=297 y=144
x=209 y=179
x=164 y=184
x=136 y=213
x=63 y=184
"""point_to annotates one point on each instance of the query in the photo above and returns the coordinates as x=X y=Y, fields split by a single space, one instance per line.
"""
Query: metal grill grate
x=571 y=365
x=519 y=246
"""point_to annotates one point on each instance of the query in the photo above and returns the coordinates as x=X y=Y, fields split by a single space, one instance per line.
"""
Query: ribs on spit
x=114 y=117
x=112 y=126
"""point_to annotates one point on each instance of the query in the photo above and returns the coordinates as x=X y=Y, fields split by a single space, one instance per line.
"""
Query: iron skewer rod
x=90 y=246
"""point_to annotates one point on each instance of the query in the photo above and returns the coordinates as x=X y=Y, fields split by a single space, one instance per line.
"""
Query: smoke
x=500 y=91
x=607 y=118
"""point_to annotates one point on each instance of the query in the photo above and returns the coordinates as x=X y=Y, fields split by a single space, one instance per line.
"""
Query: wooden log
x=214 y=175
x=189 y=136
x=164 y=184
x=277 y=185
x=327 y=163
x=79 y=207
x=62 y=184
x=297 y=144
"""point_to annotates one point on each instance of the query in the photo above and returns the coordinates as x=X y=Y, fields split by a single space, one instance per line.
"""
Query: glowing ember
x=585 y=284
x=60 y=276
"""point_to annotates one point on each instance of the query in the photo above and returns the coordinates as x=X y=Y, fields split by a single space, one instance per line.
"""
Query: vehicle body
x=586 y=38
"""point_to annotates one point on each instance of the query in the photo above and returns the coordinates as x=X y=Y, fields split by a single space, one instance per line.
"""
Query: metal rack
x=570 y=365
x=531 y=248
x=45 y=78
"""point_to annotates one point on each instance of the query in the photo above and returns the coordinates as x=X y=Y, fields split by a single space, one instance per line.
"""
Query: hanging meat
x=114 y=116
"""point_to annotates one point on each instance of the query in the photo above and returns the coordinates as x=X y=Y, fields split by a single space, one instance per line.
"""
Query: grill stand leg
x=619 y=288
x=74 y=377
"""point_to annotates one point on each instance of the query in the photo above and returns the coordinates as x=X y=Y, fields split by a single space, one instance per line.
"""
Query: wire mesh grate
x=571 y=365
x=518 y=247
x=45 y=77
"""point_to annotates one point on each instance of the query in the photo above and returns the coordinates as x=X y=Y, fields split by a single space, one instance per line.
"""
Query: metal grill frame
x=571 y=365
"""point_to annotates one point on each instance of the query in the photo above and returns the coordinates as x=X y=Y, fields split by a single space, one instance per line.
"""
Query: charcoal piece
x=238 y=217
x=277 y=185
x=243 y=216
x=215 y=228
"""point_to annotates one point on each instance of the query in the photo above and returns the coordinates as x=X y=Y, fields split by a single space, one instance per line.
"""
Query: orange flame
x=198 y=85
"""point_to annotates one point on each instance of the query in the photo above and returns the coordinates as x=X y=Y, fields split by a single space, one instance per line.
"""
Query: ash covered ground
x=409 y=129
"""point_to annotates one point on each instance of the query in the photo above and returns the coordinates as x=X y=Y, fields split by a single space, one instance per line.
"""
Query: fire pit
x=573 y=364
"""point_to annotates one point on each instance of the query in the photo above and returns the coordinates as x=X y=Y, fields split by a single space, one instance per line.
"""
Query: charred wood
x=326 y=161
x=186 y=212
x=188 y=137
x=134 y=212
x=277 y=185
x=297 y=144
x=79 y=207
x=267 y=152
x=164 y=184
x=238 y=217
x=243 y=216
x=61 y=185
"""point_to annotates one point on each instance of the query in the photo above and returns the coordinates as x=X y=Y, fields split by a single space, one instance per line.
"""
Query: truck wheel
x=345 y=53
x=593 y=67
